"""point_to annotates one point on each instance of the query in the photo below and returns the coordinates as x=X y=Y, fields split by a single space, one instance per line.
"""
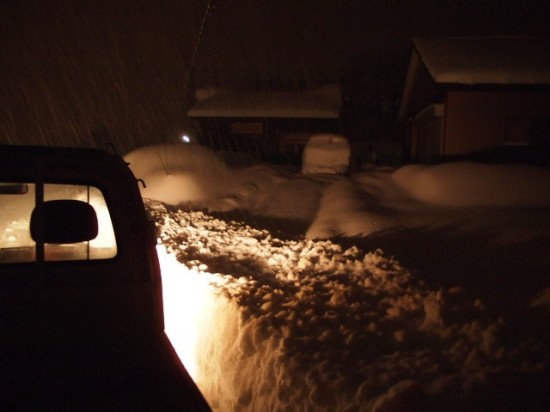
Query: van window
x=16 y=206
x=17 y=201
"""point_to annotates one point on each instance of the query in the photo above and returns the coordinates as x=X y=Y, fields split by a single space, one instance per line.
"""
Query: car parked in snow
x=81 y=314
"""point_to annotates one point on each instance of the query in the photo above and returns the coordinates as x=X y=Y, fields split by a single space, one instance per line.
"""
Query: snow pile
x=192 y=175
x=417 y=195
x=309 y=325
x=265 y=191
x=179 y=173
x=334 y=205
x=326 y=153
x=327 y=319
x=464 y=184
x=361 y=206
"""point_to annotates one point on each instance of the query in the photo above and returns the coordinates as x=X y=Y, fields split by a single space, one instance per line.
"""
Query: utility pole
x=209 y=9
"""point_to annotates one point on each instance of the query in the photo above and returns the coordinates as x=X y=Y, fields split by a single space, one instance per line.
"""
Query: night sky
x=88 y=72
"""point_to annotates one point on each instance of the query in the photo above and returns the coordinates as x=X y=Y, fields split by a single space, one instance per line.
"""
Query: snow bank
x=310 y=325
x=303 y=325
x=347 y=209
x=179 y=173
x=192 y=174
x=464 y=184
x=265 y=191
x=360 y=206
x=420 y=195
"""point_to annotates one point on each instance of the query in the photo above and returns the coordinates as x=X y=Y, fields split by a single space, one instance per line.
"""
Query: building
x=275 y=126
x=482 y=97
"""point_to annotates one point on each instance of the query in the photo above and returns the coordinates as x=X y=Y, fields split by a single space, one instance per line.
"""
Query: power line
x=207 y=12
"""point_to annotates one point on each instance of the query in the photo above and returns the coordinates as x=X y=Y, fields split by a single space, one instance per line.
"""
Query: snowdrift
x=179 y=173
x=464 y=184
x=334 y=205
x=307 y=325
x=453 y=318
x=194 y=176
x=420 y=195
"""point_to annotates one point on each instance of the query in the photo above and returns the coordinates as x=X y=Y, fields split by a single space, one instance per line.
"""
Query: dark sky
x=75 y=68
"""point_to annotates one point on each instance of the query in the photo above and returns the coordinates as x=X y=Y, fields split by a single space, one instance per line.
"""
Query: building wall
x=270 y=139
x=477 y=120
x=426 y=134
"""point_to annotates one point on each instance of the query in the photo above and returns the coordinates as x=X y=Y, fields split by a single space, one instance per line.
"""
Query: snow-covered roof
x=472 y=61
x=486 y=60
x=319 y=103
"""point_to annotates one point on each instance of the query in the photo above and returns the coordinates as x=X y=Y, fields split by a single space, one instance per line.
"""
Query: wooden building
x=478 y=95
x=274 y=126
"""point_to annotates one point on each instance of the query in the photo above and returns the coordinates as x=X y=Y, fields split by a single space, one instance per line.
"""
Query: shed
x=275 y=124
x=477 y=95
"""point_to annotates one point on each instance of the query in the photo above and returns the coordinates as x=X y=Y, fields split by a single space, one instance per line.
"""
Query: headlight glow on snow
x=187 y=298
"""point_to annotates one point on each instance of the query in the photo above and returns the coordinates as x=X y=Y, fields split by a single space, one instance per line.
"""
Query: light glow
x=104 y=244
x=188 y=299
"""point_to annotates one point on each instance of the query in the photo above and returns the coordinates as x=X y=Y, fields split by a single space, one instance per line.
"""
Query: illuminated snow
x=177 y=173
x=326 y=153
x=292 y=323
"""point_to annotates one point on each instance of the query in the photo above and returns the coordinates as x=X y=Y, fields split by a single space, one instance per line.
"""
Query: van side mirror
x=64 y=221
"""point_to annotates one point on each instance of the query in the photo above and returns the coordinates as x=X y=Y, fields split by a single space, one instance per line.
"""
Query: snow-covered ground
x=424 y=288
